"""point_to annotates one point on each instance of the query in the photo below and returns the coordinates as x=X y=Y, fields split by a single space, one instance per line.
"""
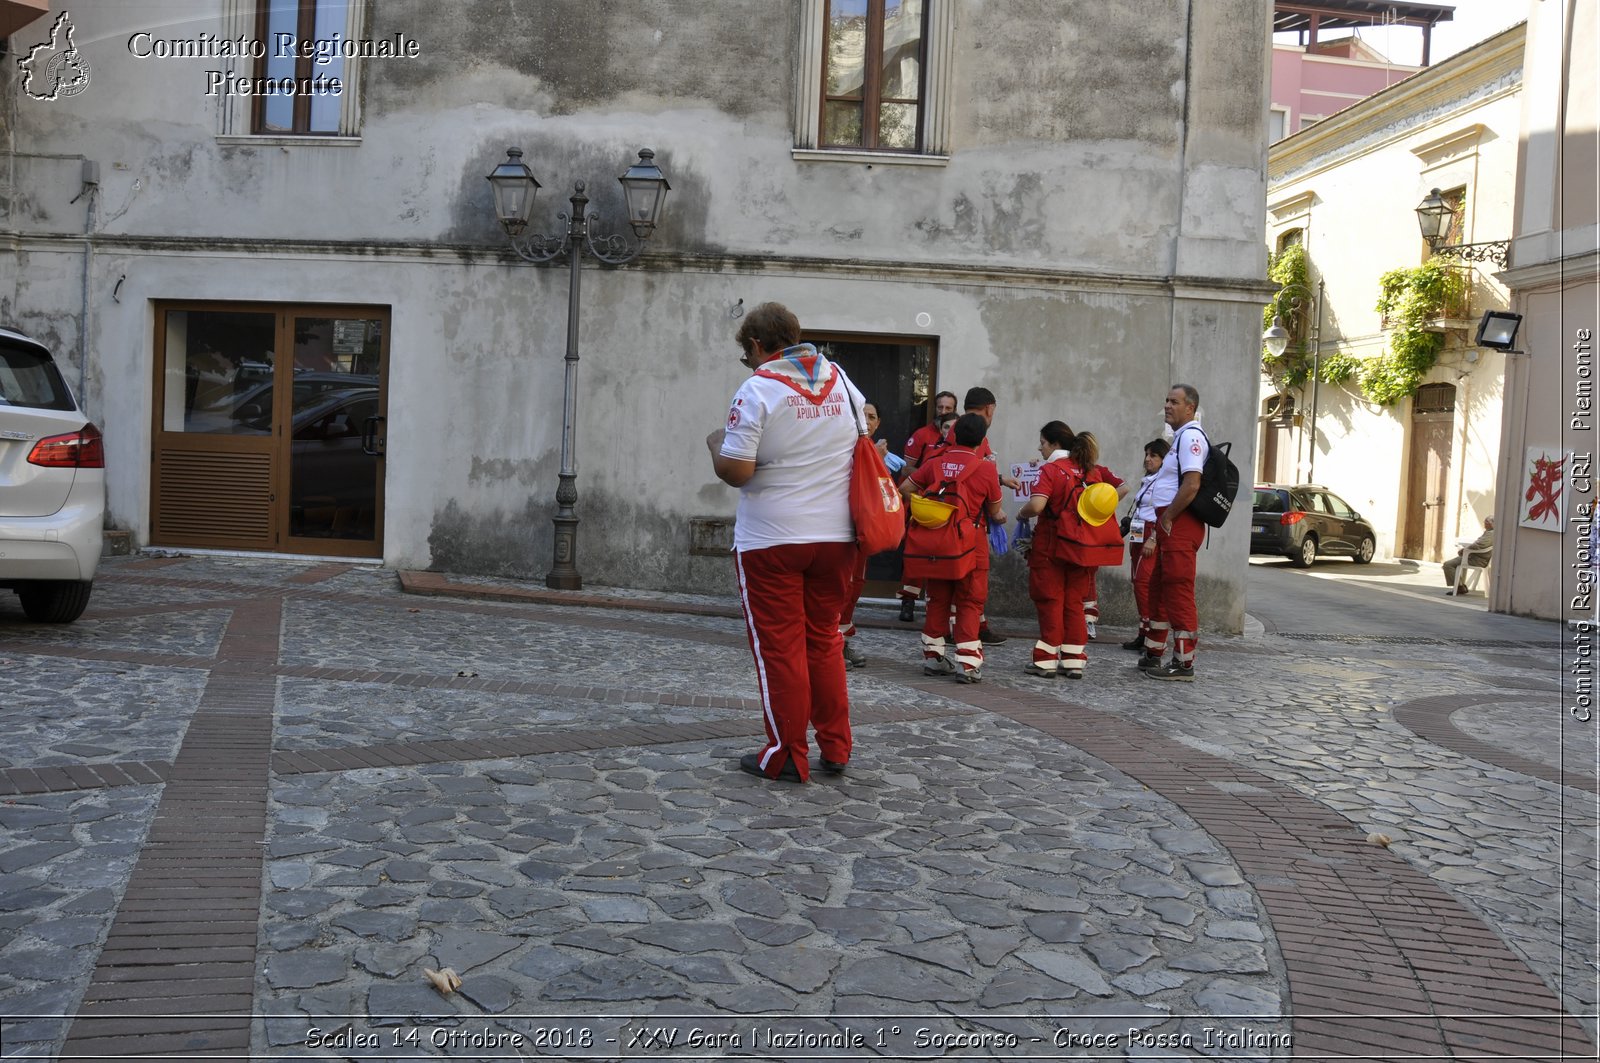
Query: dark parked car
x=1305 y=520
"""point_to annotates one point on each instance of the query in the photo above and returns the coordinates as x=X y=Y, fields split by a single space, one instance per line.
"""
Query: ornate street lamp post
x=1276 y=341
x=644 y=190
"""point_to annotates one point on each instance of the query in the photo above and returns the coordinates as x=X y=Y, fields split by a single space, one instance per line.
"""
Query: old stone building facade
x=1059 y=202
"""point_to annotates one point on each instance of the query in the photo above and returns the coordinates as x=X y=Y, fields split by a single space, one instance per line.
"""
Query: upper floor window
x=1456 y=200
x=873 y=74
x=1277 y=124
x=303 y=22
x=874 y=80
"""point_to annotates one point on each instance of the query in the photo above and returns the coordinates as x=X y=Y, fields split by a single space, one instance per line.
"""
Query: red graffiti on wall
x=1544 y=489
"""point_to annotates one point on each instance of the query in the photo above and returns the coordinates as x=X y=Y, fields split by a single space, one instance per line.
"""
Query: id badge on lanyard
x=1136 y=530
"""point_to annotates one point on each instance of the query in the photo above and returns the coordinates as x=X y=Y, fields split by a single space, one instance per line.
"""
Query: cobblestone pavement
x=249 y=802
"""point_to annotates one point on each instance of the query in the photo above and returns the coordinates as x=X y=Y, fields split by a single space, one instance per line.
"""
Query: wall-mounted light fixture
x=1433 y=218
x=1498 y=330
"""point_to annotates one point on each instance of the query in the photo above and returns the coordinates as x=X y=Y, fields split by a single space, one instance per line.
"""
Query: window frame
x=1287 y=119
x=305 y=30
x=237 y=114
x=872 y=99
x=937 y=88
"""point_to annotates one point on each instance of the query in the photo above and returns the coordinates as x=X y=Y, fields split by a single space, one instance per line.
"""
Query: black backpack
x=1219 y=483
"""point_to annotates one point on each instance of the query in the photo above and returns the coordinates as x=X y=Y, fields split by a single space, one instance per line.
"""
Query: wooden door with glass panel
x=269 y=428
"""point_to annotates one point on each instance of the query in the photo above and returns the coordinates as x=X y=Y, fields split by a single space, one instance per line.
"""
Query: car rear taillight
x=1292 y=518
x=82 y=449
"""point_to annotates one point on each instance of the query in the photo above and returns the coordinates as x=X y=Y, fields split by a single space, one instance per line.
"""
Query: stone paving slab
x=1571 y=747
x=100 y=712
x=978 y=867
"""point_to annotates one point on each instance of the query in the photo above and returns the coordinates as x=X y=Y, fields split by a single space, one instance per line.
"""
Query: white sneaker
x=1090 y=626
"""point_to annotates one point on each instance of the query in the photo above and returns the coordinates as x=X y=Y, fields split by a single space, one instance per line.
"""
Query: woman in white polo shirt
x=788 y=447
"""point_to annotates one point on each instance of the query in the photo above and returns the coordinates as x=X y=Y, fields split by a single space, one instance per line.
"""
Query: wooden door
x=1277 y=454
x=268 y=428
x=1432 y=436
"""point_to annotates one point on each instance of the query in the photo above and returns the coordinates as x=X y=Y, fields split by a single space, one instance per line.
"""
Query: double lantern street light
x=644 y=190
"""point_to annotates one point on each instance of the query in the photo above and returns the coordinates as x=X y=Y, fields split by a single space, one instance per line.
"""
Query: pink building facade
x=1309 y=84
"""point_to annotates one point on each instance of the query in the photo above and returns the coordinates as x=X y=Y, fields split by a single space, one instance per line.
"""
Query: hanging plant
x=1409 y=300
x=1290 y=270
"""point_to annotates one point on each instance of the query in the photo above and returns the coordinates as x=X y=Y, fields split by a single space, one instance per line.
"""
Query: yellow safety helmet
x=1097 y=503
x=930 y=512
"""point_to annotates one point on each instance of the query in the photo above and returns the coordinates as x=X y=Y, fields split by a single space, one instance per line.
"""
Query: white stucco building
x=1061 y=203
x=1422 y=470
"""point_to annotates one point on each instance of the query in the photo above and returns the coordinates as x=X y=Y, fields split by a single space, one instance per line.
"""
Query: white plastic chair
x=1469 y=575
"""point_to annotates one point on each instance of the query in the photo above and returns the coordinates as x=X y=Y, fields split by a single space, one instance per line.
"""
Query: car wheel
x=1365 y=551
x=54 y=601
x=1307 y=553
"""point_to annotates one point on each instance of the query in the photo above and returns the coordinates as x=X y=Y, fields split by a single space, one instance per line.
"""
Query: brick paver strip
x=320 y=573
x=215 y=801
x=1429 y=718
x=1360 y=927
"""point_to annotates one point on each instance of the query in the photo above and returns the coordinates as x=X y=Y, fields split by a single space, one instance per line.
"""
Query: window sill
x=889 y=158
x=268 y=140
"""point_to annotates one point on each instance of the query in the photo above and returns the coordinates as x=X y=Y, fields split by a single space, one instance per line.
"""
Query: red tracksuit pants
x=1172 y=603
x=858 y=583
x=1141 y=570
x=792 y=597
x=967 y=596
x=1058 y=590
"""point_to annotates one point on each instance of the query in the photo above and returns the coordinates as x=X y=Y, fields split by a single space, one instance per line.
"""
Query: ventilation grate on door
x=212 y=499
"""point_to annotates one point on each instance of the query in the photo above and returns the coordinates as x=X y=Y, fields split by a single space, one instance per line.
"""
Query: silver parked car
x=52 y=485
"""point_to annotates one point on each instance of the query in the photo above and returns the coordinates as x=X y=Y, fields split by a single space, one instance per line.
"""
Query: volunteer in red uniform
x=788 y=446
x=1176 y=543
x=1141 y=525
x=978 y=490
x=981 y=401
x=924 y=442
x=1091 y=608
x=1058 y=588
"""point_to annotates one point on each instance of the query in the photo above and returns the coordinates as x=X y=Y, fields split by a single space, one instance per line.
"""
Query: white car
x=52 y=485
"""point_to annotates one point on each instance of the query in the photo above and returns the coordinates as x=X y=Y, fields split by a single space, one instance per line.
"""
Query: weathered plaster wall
x=1041 y=135
x=1044 y=250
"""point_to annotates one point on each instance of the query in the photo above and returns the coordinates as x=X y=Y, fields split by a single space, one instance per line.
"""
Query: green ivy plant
x=1291 y=272
x=1338 y=368
x=1410 y=298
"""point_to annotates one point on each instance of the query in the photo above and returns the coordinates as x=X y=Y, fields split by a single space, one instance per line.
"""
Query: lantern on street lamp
x=1276 y=338
x=1434 y=218
x=514 y=186
x=644 y=190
